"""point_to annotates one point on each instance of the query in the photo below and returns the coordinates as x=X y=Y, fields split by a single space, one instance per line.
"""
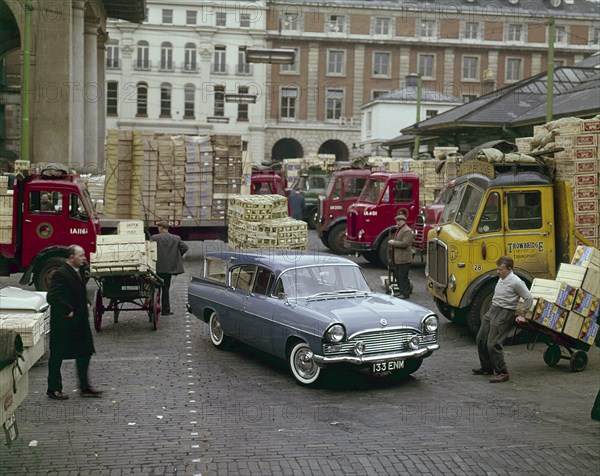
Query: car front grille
x=378 y=342
x=351 y=230
x=437 y=262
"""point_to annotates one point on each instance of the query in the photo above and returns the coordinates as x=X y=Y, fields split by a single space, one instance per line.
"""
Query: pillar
x=77 y=139
x=92 y=94
x=101 y=73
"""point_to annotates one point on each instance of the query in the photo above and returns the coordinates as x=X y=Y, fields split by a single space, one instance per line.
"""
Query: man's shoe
x=482 y=371
x=54 y=395
x=168 y=313
x=501 y=377
x=91 y=392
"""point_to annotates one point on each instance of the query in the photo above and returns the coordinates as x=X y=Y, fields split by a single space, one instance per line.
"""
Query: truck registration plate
x=387 y=366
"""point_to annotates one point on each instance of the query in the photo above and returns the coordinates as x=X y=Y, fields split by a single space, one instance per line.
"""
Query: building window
x=594 y=36
x=427 y=29
x=514 y=32
x=429 y=113
x=189 y=100
x=381 y=26
x=288 y=103
x=291 y=68
x=219 y=65
x=335 y=24
x=513 y=69
x=469 y=97
x=381 y=64
x=112 y=54
x=559 y=63
x=426 y=66
x=470 y=68
x=166 y=56
x=221 y=19
x=143 y=52
x=369 y=123
x=378 y=93
x=165 y=100
x=142 y=100
x=219 y=108
x=244 y=20
x=112 y=98
x=242 y=115
x=189 y=63
x=335 y=62
x=334 y=102
x=289 y=22
x=243 y=66
x=471 y=30
x=167 y=16
x=560 y=35
x=191 y=17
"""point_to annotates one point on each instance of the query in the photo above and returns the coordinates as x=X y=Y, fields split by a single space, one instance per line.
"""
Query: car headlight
x=335 y=333
x=452 y=282
x=431 y=323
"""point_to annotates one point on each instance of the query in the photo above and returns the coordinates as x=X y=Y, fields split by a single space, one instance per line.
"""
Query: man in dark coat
x=70 y=334
x=402 y=255
x=170 y=250
x=296 y=203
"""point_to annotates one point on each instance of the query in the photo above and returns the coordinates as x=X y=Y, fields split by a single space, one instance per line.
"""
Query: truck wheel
x=44 y=272
x=480 y=305
x=336 y=239
x=372 y=257
x=312 y=219
x=382 y=253
x=325 y=240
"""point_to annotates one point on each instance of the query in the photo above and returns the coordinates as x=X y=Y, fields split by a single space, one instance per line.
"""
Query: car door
x=259 y=310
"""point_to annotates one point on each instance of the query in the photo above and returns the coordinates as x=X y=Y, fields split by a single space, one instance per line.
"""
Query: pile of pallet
x=6 y=211
x=292 y=168
x=261 y=221
x=569 y=304
x=578 y=163
x=158 y=177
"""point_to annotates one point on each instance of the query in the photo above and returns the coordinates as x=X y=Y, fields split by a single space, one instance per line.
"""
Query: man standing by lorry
x=402 y=255
x=497 y=322
x=169 y=249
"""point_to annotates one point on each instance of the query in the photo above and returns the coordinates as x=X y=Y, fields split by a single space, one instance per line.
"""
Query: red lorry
x=343 y=189
x=428 y=217
x=371 y=219
x=46 y=212
x=267 y=183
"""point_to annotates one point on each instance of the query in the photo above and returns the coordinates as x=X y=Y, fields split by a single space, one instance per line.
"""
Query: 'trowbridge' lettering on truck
x=528 y=245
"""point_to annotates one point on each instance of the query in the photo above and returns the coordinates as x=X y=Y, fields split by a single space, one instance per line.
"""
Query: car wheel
x=336 y=239
x=217 y=336
x=303 y=367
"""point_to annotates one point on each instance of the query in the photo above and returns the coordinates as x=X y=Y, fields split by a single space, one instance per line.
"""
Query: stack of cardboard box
x=569 y=304
x=6 y=211
x=117 y=184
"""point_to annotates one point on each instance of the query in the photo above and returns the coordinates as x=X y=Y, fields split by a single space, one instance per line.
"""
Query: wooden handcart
x=126 y=285
x=576 y=350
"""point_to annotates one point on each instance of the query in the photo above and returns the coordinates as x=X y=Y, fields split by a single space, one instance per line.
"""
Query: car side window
x=263 y=281
x=215 y=269
x=241 y=277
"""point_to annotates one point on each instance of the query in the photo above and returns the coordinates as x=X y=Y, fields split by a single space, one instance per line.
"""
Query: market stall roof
x=408 y=94
x=129 y=10
x=576 y=93
x=405 y=141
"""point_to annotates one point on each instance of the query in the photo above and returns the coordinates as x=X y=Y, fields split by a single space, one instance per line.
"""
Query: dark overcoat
x=70 y=337
x=169 y=249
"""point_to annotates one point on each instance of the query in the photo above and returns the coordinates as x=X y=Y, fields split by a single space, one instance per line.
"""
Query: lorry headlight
x=360 y=234
x=452 y=283
x=335 y=333
x=431 y=323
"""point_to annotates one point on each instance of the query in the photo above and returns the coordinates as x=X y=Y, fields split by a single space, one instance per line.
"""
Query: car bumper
x=367 y=359
x=357 y=246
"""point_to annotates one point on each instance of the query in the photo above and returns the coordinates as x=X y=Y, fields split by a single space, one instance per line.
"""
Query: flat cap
x=163 y=224
x=401 y=216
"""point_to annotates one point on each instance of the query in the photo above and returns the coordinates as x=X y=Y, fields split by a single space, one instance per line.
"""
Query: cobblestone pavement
x=173 y=404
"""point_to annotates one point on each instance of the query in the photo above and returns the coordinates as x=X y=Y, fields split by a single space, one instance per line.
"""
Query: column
x=314 y=93
x=101 y=72
x=536 y=63
x=92 y=94
x=357 y=81
x=404 y=65
x=76 y=150
x=449 y=60
x=493 y=57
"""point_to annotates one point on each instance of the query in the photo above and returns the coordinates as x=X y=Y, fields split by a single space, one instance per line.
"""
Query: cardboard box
x=586 y=219
x=589 y=330
x=573 y=325
x=585 y=193
x=587 y=154
x=130 y=227
x=587 y=257
x=587 y=279
x=586 y=140
x=590 y=125
x=586 y=180
x=586 y=304
x=585 y=206
x=550 y=315
x=528 y=313
x=553 y=291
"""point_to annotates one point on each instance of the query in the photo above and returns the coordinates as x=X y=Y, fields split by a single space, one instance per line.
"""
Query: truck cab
x=371 y=219
x=310 y=185
x=343 y=189
x=51 y=211
x=429 y=216
x=486 y=217
x=267 y=184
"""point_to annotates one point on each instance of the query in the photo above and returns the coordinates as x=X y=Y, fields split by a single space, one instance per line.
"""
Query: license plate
x=387 y=366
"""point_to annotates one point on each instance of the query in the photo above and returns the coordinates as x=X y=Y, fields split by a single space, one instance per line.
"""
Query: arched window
x=190 y=57
x=189 y=100
x=142 y=100
x=143 y=55
x=166 y=56
x=165 y=100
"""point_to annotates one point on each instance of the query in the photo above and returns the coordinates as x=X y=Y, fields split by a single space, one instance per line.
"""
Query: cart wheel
x=98 y=310
x=155 y=308
x=579 y=360
x=552 y=355
x=115 y=307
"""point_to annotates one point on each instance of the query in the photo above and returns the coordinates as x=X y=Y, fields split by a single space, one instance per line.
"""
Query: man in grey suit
x=170 y=249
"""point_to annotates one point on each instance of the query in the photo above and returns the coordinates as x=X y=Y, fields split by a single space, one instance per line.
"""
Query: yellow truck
x=513 y=209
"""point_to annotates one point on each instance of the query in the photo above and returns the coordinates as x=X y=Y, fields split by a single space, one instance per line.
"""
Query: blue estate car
x=314 y=310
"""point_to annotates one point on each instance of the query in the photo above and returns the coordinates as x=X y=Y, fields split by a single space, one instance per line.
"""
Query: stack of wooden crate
x=118 y=163
x=6 y=211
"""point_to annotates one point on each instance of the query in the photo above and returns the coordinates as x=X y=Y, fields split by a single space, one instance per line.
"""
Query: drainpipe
x=25 y=82
x=417 y=142
x=550 y=73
